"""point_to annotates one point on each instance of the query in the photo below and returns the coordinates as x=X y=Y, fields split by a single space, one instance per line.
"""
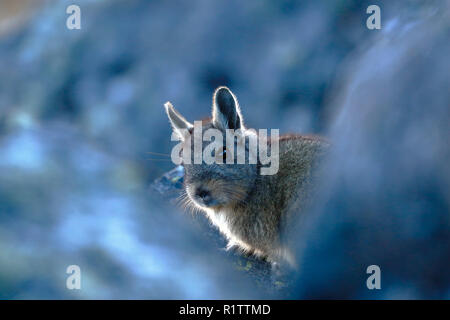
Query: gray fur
x=254 y=211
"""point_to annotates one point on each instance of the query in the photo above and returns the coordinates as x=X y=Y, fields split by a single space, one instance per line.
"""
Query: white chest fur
x=221 y=219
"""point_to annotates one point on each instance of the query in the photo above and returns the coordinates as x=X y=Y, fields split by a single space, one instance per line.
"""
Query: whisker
x=185 y=203
x=159 y=154
x=152 y=159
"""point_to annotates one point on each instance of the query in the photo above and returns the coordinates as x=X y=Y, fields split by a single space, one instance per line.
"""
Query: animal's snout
x=203 y=194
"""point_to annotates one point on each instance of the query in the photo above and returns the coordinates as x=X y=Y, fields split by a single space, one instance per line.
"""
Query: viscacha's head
x=218 y=177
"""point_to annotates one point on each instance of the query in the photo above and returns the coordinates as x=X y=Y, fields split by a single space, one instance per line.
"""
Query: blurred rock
x=385 y=198
x=14 y=13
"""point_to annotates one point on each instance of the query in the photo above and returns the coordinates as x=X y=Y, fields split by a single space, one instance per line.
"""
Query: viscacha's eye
x=222 y=153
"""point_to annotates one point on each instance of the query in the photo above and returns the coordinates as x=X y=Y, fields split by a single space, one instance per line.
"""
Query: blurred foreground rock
x=386 y=196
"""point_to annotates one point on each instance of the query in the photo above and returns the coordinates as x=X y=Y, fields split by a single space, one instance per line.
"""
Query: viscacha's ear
x=178 y=122
x=226 y=113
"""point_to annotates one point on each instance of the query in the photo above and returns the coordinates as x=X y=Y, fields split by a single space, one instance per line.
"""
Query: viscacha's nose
x=204 y=195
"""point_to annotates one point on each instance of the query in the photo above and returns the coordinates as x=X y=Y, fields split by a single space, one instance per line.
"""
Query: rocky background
x=80 y=110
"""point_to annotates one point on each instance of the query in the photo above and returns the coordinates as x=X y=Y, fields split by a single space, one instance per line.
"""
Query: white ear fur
x=226 y=113
x=178 y=122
